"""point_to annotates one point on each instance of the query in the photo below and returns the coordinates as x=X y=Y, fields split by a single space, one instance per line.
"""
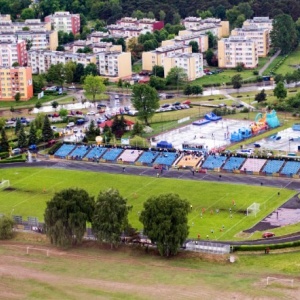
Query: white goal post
x=280 y=280
x=37 y=249
x=4 y=184
x=253 y=209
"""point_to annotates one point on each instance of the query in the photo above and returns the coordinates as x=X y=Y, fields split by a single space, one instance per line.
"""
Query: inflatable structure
x=262 y=123
x=212 y=117
x=296 y=127
x=201 y=122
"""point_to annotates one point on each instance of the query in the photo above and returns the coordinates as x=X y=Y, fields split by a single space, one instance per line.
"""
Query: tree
x=280 y=91
x=17 y=97
x=27 y=13
x=110 y=217
x=157 y=82
x=209 y=56
x=66 y=215
x=4 y=144
x=204 y=14
x=32 y=138
x=284 y=34
x=94 y=85
x=212 y=40
x=91 y=69
x=137 y=128
x=176 y=19
x=2 y=122
x=236 y=81
x=18 y=126
x=6 y=228
x=162 y=15
x=165 y=222
x=195 y=46
x=15 y=64
x=118 y=126
x=187 y=90
x=145 y=100
x=47 y=131
x=176 y=76
x=38 y=83
x=197 y=90
x=79 y=73
x=63 y=112
x=22 y=140
x=60 y=48
x=158 y=71
x=54 y=104
x=56 y=74
x=38 y=105
x=107 y=134
x=261 y=96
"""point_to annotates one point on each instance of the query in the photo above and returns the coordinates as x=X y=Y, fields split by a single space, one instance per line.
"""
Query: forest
x=169 y=11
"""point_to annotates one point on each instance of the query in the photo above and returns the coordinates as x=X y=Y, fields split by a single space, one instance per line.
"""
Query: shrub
x=6 y=228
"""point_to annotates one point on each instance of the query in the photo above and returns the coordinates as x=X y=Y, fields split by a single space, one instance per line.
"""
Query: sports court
x=212 y=135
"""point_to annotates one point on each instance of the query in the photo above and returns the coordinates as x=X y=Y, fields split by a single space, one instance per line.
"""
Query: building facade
x=64 y=21
x=260 y=22
x=41 y=60
x=157 y=56
x=191 y=63
x=145 y=23
x=237 y=50
x=15 y=80
x=115 y=64
x=260 y=35
x=30 y=24
x=11 y=53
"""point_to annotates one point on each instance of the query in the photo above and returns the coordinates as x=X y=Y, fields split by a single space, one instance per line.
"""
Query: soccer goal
x=4 y=184
x=282 y=281
x=253 y=209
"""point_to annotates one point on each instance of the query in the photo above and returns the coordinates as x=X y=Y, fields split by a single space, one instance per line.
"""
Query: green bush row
x=263 y=247
x=54 y=148
x=6 y=161
x=4 y=155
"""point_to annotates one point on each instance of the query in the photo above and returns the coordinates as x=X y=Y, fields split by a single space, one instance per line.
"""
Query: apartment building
x=115 y=64
x=4 y=18
x=15 y=80
x=96 y=47
x=192 y=63
x=217 y=27
x=36 y=40
x=260 y=22
x=97 y=36
x=186 y=38
x=126 y=31
x=260 y=35
x=41 y=60
x=11 y=53
x=235 y=50
x=145 y=23
x=64 y=21
x=157 y=56
x=30 y=24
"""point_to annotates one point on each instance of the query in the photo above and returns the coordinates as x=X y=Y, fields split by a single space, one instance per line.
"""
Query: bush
x=255 y=72
x=54 y=148
x=4 y=155
x=6 y=228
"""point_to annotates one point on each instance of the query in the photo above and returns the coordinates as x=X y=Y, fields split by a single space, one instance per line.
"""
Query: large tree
x=4 y=145
x=284 y=34
x=94 y=85
x=280 y=91
x=66 y=215
x=32 y=137
x=47 y=131
x=165 y=220
x=176 y=76
x=56 y=74
x=22 y=140
x=110 y=217
x=236 y=81
x=145 y=100
x=6 y=228
x=118 y=126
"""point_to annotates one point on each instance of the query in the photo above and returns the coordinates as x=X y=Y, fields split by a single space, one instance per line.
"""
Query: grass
x=287 y=66
x=29 y=196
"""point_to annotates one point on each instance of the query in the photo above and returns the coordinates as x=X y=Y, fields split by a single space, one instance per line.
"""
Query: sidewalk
x=261 y=71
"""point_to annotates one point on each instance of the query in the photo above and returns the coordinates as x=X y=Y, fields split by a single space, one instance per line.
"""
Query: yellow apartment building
x=260 y=35
x=235 y=50
x=15 y=80
x=157 y=56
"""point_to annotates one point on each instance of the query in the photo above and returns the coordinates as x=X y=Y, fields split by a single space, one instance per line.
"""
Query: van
x=71 y=124
x=117 y=97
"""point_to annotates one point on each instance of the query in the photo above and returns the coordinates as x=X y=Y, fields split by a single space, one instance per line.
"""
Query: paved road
x=261 y=71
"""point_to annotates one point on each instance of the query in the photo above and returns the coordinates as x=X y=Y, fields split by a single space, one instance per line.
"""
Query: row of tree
x=164 y=219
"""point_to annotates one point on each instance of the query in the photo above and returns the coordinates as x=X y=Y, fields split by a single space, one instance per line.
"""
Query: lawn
x=33 y=187
x=290 y=63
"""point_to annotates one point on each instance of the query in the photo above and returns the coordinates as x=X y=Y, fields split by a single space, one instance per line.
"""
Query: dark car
x=99 y=106
x=268 y=234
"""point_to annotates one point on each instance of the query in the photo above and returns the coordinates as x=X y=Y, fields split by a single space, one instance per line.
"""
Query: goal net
x=253 y=209
x=4 y=184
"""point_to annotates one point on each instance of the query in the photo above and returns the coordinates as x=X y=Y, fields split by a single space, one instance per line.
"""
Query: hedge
x=264 y=246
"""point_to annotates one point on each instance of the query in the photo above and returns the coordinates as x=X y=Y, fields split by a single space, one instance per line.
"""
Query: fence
x=208 y=247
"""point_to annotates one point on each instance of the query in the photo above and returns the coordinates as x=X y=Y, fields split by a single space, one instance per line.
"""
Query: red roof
x=110 y=122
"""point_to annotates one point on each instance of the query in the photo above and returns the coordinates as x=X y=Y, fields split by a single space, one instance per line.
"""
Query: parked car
x=188 y=102
x=165 y=105
x=268 y=234
x=54 y=128
x=16 y=151
x=80 y=122
x=51 y=143
x=55 y=115
x=101 y=105
x=91 y=113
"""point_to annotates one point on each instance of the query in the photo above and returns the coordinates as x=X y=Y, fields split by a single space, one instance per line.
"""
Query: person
x=123 y=169
x=191 y=206
x=157 y=175
x=198 y=236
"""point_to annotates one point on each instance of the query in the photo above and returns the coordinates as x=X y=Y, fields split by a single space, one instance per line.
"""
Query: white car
x=91 y=113
x=54 y=128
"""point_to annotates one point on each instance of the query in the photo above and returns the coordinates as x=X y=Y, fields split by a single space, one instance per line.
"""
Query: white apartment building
x=114 y=64
x=30 y=24
x=64 y=21
x=192 y=63
x=157 y=56
x=11 y=53
x=217 y=27
x=145 y=23
x=41 y=60
x=96 y=47
x=97 y=36
x=126 y=32
x=38 y=39
x=260 y=35
x=185 y=39
x=260 y=22
x=237 y=50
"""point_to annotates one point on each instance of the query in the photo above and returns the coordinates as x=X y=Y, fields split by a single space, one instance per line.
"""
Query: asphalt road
x=290 y=183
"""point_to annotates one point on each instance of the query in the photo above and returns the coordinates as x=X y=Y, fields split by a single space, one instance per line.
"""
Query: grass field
x=93 y=273
x=32 y=187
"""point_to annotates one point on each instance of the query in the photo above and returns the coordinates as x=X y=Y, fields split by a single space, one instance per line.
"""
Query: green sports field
x=31 y=188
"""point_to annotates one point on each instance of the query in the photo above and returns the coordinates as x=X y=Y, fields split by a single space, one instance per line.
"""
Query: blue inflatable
x=243 y=133
x=212 y=117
